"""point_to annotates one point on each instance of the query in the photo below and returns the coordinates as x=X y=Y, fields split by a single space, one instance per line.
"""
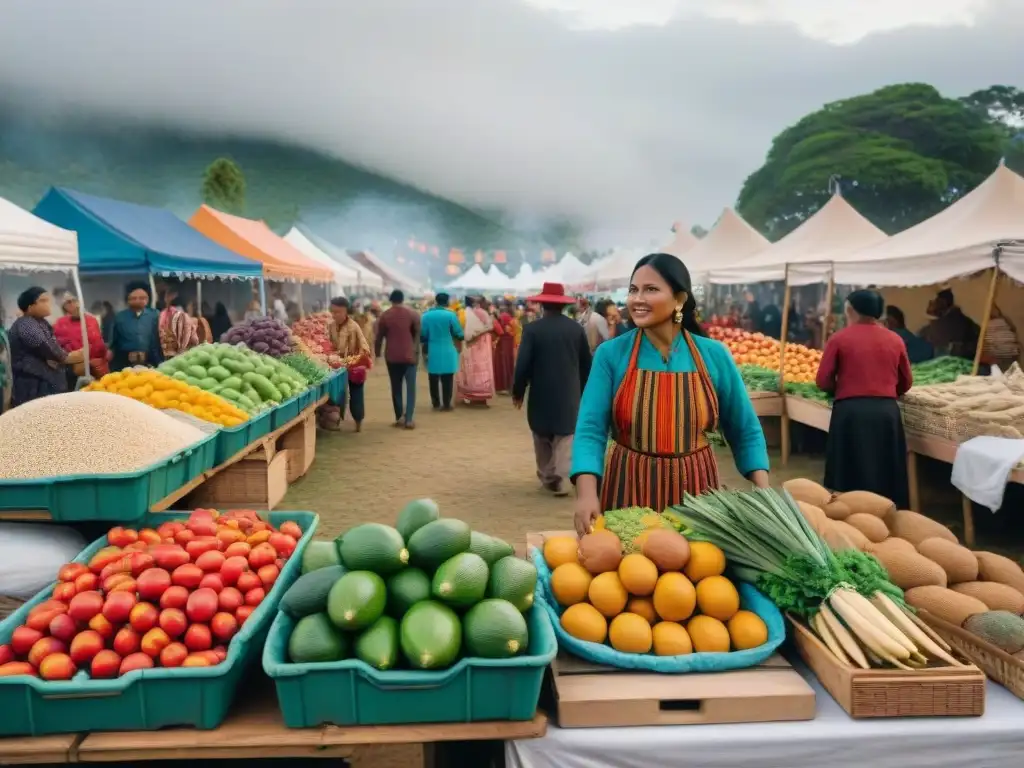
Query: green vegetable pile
x=758 y=379
x=629 y=523
x=250 y=380
x=308 y=368
x=941 y=370
x=807 y=391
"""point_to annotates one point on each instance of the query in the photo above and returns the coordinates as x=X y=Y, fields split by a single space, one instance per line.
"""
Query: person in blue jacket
x=659 y=390
x=441 y=335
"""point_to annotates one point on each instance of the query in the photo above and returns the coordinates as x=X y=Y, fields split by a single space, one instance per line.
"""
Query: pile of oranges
x=760 y=350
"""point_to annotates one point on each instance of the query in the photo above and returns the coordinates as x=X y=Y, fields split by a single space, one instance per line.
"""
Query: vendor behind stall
x=68 y=330
x=918 y=350
x=37 y=360
x=135 y=338
x=950 y=332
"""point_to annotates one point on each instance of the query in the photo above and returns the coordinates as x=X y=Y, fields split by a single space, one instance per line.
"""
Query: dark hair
x=220 y=311
x=339 y=301
x=674 y=272
x=177 y=301
x=29 y=296
x=867 y=303
x=442 y=299
x=946 y=294
x=396 y=297
x=896 y=314
x=136 y=285
x=557 y=308
x=602 y=307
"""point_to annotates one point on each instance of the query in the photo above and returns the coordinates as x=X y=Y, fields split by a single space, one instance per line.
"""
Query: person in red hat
x=553 y=363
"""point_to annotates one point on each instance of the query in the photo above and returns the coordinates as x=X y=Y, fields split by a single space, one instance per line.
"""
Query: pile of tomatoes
x=757 y=349
x=172 y=596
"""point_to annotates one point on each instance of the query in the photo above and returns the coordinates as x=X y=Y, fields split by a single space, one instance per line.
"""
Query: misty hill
x=353 y=207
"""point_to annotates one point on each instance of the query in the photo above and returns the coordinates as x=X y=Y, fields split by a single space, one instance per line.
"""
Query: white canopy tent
x=615 y=269
x=958 y=241
x=497 y=280
x=526 y=280
x=345 y=278
x=365 y=277
x=835 y=231
x=683 y=241
x=473 y=278
x=731 y=241
x=392 y=276
x=29 y=247
x=569 y=270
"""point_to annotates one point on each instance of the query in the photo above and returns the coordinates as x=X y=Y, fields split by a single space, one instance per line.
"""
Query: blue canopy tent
x=116 y=237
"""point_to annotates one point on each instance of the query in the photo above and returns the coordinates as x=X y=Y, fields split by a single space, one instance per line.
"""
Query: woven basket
x=955 y=428
x=9 y=605
x=1005 y=669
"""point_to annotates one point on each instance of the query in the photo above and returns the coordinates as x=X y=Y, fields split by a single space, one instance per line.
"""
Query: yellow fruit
x=708 y=635
x=599 y=524
x=746 y=630
x=674 y=597
x=630 y=633
x=717 y=597
x=642 y=606
x=584 y=621
x=705 y=560
x=638 y=575
x=671 y=639
x=569 y=583
x=607 y=594
x=559 y=550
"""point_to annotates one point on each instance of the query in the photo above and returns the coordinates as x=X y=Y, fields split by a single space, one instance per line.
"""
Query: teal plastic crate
x=285 y=412
x=147 y=699
x=336 y=385
x=231 y=440
x=114 y=498
x=309 y=397
x=351 y=692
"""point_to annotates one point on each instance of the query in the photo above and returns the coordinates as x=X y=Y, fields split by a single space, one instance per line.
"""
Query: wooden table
x=766 y=403
x=810 y=413
x=254 y=731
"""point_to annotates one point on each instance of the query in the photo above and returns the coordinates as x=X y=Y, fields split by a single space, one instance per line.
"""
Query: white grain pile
x=87 y=433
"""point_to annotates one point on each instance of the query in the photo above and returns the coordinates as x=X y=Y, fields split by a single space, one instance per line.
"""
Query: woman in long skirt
x=504 y=351
x=475 y=379
x=865 y=366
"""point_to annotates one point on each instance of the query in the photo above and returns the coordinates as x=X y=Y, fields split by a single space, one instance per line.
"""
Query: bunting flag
x=455 y=256
x=547 y=256
x=478 y=257
x=499 y=257
x=452 y=269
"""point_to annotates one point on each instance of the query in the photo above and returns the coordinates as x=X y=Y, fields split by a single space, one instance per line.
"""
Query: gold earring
x=677 y=316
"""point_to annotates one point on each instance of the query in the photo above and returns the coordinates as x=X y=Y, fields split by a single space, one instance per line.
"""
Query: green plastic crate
x=336 y=387
x=147 y=699
x=308 y=397
x=285 y=412
x=231 y=440
x=115 y=498
x=352 y=692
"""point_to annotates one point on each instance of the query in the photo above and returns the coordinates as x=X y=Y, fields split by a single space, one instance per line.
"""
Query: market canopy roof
x=569 y=270
x=29 y=243
x=730 y=241
x=255 y=240
x=833 y=232
x=365 y=277
x=615 y=269
x=957 y=241
x=343 y=276
x=526 y=280
x=390 y=274
x=117 y=237
x=474 y=277
x=683 y=241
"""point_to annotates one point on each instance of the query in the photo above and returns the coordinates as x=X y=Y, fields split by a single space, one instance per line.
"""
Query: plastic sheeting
x=344 y=277
x=731 y=241
x=29 y=243
x=832 y=739
x=367 y=278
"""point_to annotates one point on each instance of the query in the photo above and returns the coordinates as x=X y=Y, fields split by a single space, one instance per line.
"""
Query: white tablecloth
x=833 y=739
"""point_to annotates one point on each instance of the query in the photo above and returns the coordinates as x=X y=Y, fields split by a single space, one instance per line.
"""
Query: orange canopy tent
x=255 y=240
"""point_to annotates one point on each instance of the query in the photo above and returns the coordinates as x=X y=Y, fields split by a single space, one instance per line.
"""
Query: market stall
x=345 y=278
x=392 y=276
x=368 y=280
x=118 y=238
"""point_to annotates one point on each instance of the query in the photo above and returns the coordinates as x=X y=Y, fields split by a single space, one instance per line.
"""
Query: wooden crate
x=940 y=691
x=808 y=412
x=259 y=484
x=766 y=403
x=1005 y=669
x=300 y=442
x=593 y=696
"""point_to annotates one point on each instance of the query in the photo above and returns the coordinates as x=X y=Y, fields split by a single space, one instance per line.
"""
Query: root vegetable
x=819 y=625
x=843 y=636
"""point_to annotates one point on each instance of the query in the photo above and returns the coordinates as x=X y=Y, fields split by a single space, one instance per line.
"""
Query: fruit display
x=312 y=371
x=265 y=335
x=312 y=337
x=747 y=348
x=251 y=380
x=122 y=435
x=162 y=392
x=797 y=547
x=419 y=595
x=632 y=523
x=667 y=597
x=977 y=591
x=170 y=596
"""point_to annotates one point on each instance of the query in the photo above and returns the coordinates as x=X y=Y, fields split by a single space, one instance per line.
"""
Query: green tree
x=1003 y=107
x=224 y=186
x=900 y=154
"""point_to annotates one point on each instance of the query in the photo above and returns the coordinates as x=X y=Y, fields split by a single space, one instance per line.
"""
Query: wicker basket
x=9 y=605
x=997 y=664
x=956 y=428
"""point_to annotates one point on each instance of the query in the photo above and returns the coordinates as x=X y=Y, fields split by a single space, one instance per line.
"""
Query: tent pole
x=263 y=296
x=152 y=290
x=83 y=321
x=830 y=293
x=784 y=421
x=199 y=297
x=990 y=300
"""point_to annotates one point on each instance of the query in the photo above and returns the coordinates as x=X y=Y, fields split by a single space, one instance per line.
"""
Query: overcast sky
x=627 y=114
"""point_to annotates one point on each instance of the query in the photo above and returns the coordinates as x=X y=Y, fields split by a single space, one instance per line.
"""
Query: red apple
x=291 y=528
x=41 y=621
x=143 y=617
x=174 y=597
x=243 y=613
x=187 y=575
x=6 y=654
x=101 y=624
x=282 y=543
x=72 y=571
x=85 y=605
x=232 y=569
x=238 y=549
x=86 y=581
x=195 y=660
x=85 y=646
x=118 y=607
x=126 y=641
x=134 y=661
x=122 y=537
x=202 y=605
x=149 y=536
x=198 y=638
x=105 y=665
x=43 y=647
x=64 y=591
x=154 y=641
x=230 y=599
x=23 y=638
x=169 y=556
x=57 y=666
x=63 y=627
x=212 y=581
x=152 y=583
x=16 y=668
x=173 y=621
x=173 y=655
x=211 y=562
x=268 y=575
x=223 y=626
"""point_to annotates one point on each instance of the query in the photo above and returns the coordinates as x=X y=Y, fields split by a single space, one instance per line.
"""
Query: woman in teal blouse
x=659 y=390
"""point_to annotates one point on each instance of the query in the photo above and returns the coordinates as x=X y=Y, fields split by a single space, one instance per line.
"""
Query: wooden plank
x=808 y=412
x=766 y=403
x=435 y=732
x=38 y=750
x=268 y=439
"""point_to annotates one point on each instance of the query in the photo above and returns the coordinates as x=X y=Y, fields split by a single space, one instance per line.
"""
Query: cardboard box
x=259 y=484
x=300 y=443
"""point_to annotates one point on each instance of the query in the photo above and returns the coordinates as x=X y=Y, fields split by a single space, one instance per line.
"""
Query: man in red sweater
x=400 y=327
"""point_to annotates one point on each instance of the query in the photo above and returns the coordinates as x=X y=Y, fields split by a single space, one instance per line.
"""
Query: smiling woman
x=659 y=390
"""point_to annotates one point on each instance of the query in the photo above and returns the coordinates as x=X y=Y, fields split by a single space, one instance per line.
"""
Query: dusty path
x=477 y=463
